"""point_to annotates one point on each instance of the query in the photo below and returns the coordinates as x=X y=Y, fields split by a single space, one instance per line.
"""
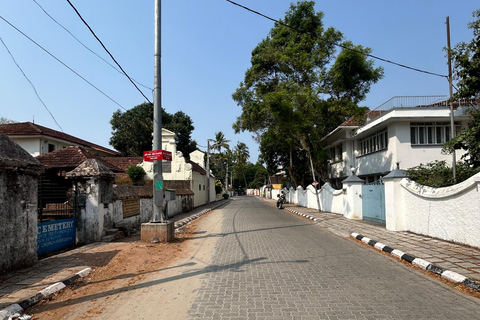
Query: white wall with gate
x=450 y=213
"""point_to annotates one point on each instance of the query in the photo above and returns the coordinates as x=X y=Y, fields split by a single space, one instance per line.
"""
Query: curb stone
x=16 y=308
x=185 y=221
x=447 y=274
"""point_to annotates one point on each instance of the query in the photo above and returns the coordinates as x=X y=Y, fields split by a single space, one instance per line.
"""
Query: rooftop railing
x=407 y=102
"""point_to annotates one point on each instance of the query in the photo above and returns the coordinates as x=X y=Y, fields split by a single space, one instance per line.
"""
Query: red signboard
x=155 y=155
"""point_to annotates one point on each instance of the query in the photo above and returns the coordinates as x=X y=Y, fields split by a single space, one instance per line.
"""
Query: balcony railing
x=407 y=102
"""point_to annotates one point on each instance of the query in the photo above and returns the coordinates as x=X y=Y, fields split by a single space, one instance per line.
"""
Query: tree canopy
x=296 y=90
x=466 y=58
x=466 y=62
x=132 y=130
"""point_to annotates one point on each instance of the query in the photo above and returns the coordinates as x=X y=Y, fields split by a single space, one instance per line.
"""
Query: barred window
x=374 y=142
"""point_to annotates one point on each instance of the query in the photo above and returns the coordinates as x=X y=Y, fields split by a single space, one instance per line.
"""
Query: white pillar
x=352 y=198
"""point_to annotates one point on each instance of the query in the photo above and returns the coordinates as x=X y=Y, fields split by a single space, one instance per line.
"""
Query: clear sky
x=206 y=49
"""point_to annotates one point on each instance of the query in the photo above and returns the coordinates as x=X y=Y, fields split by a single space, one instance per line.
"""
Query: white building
x=191 y=172
x=404 y=130
x=37 y=139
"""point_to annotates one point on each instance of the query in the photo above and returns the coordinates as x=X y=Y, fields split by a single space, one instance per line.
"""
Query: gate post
x=352 y=197
x=394 y=215
x=94 y=185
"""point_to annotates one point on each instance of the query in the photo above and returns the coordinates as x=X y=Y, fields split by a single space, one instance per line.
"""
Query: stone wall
x=19 y=173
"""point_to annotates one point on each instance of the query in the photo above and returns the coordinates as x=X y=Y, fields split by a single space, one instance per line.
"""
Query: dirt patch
x=133 y=260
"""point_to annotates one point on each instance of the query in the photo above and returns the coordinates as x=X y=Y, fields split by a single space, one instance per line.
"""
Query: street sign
x=155 y=155
x=314 y=183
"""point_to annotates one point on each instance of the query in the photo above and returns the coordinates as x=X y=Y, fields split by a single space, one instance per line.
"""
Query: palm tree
x=242 y=154
x=219 y=143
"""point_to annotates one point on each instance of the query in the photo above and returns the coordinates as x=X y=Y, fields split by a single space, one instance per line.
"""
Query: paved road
x=270 y=264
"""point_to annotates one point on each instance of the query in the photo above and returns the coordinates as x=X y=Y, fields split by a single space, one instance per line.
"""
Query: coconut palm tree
x=242 y=154
x=221 y=142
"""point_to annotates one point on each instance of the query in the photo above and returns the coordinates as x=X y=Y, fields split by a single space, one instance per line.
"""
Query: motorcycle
x=281 y=200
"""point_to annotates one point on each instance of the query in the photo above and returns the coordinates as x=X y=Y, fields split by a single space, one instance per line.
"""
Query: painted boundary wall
x=331 y=200
x=450 y=213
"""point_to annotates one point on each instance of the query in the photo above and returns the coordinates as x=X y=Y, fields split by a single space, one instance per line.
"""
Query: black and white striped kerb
x=301 y=214
x=18 y=307
x=447 y=274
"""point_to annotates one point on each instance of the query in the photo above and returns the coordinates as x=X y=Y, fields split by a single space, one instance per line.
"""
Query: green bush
x=136 y=173
x=437 y=174
x=225 y=196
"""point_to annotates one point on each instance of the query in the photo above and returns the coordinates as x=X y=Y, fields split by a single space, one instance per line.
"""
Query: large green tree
x=466 y=62
x=132 y=130
x=297 y=90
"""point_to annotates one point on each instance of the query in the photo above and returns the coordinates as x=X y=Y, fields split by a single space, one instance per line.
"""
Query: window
x=199 y=187
x=51 y=147
x=425 y=133
x=336 y=153
x=374 y=142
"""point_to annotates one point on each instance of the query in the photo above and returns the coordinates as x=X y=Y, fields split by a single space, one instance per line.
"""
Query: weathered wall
x=18 y=218
x=19 y=173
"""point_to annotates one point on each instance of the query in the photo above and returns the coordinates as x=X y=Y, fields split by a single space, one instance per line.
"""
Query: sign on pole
x=155 y=155
x=314 y=183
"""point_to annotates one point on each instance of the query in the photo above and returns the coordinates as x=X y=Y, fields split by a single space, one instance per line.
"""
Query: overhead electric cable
x=66 y=66
x=339 y=45
x=86 y=45
x=111 y=56
x=34 y=89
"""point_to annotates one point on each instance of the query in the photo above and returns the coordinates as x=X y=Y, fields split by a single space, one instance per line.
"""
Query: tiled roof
x=197 y=168
x=123 y=162
x=71 y=157
x=33 y=129
x=12 y=155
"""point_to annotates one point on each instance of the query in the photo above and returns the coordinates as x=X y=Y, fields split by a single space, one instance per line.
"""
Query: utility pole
x=157 y=118
x=452 y=122
x=208 y=171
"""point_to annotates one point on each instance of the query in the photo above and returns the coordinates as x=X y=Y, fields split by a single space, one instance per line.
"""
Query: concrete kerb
x=185 y=221
x=426 y=265
x=16 y=308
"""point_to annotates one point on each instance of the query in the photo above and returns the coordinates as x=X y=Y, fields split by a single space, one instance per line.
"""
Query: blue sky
x=206 y=47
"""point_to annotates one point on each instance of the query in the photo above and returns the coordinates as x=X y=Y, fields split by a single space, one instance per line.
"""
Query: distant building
x=38 y=140
x=183 y=173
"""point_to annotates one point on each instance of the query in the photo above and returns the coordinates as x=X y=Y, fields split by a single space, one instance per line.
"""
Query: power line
x=111 y=56
x=86 y=46
x=339 y=45
x=34 y=89
x=66 y=66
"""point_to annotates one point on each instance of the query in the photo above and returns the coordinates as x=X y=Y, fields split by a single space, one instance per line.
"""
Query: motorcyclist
x=281 y=200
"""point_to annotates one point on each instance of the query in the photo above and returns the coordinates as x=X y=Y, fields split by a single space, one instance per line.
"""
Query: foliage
x=466 y=57
x=221 y=160
x=241 y=155
x=132 y=130
x=466 y=62
x=4 y=120
x=136 y=173
x=468 y=139
x=218 y=187
x=296 y=92
x=225 y=196
x=437 y=174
